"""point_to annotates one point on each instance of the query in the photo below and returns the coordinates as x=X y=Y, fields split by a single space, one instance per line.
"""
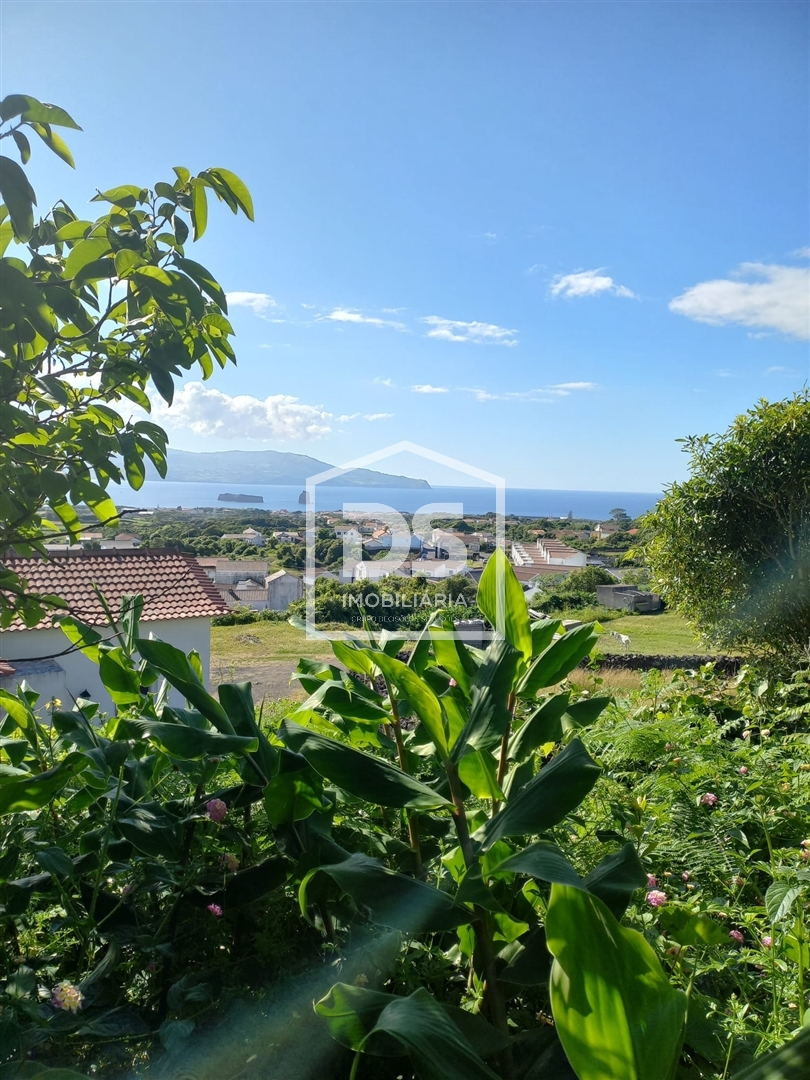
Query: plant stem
x=503 y=761
x=413 y=821
x=493 y=995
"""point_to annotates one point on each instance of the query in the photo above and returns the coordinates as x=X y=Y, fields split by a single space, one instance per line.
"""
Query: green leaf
x=788 y=1062
x=543 y=631
x=616 y=878
x=120 y=679
x=416 y=1025
x=23 y=146
x=543 y=861
x=19 y=198
x=422 y=699
x=80 y=634
x=451 y=655
x=236 y=188
x=184 y=742
x=543 y=726
x=616 y=1014
x=501 y=599
x=556 y=661
x=54 y=142
x=541 y=804
x=84 y=252
x=293 y=796
x=21 y=713
x=779 y=899
x=28 y=108
x=364 y=776
x=252 y=884
x=689 y=928
x=173 y=664
x=204 y=279
x=36 y=792
x=199 y=207
x=391 y=899
x=479 y=773
x=489 y=697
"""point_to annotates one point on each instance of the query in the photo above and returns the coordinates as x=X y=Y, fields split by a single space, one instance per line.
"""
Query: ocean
x=524 y=502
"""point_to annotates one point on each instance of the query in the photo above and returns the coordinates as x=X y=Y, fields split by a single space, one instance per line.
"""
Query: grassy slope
x=665 y=635
x=261 y=642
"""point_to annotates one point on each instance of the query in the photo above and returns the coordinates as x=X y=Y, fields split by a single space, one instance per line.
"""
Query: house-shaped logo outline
x=498 y=482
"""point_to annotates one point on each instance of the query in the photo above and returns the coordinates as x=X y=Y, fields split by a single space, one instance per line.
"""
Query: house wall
x=81 y=674
x=281 y=592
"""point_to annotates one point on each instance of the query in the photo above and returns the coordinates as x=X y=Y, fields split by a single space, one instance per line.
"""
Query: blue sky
x=548 y=239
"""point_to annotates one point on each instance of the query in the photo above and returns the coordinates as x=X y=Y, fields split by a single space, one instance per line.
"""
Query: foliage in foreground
x=479 y=877
x=729 y=548
x=94 y=314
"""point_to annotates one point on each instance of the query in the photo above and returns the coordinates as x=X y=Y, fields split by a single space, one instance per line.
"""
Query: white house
x=348 y=532
x=179 y=603
x=249 y=535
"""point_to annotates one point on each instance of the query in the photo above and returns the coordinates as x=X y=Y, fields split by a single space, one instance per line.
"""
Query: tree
x=620 y=517
x=93 y=313
x=730 y=547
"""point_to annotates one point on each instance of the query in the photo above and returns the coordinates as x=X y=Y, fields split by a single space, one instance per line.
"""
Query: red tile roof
x=172 y=583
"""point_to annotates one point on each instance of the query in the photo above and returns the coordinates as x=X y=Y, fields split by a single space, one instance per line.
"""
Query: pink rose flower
x=215 y=909
x=652 y=881
x=743 y=770
x=216 y=809
x=737 y=935
x=709 y=799
x=656 y=898
x=767 y=942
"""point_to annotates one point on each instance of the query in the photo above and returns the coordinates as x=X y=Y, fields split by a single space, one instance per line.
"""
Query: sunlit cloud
x=777 y=297
x=588 y=283
x=477 y=333
x=258 y=302
x=426 y=388
x=342 y=315
x=211 y=413
x=377 y=416
x=540 y=394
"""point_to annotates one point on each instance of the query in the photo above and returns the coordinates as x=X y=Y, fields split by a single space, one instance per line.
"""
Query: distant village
x=266 y=569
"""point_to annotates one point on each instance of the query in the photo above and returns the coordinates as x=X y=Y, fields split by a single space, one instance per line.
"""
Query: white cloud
x=344 y=316
x=588 y=283
x=378 y=416
x=533 y=269
x=777 y=369
x=309 y=307
x=212 y=413
x=478 y=333
x=778 y=298
x=490 y=236
x=393 y=310
x=385 y=382
x=258 y=302
x=541 y=394
x=426 y=388
x=802 y=253
x=573 y=386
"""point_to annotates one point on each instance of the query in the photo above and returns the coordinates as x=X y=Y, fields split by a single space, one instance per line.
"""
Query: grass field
x=664 y=635
x=263 y=642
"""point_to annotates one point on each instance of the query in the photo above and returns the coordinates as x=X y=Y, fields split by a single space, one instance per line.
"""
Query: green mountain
x=270 y=467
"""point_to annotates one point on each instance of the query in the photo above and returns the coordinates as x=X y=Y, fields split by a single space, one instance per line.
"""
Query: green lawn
x=262 y=642
x=664 y=635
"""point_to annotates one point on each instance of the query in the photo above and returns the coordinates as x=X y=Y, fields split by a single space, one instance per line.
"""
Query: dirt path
x=271 y=680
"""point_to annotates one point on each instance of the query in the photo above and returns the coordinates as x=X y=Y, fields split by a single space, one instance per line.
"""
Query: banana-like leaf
x=501 y=599
x=34 y=792
x=391 y=899
x=478 y=772
x=543 y=726
x=543 y=631
x=362 y=775
x=616 y=1013
x=422 y=699
x=174 y=666
x=184 y=742
x=541 y=804
x=237 y=701
x=452 y=655
x=789 y=1062
x=489 y=696
x=385 y=1025
x=349 y=701
x=555 y=662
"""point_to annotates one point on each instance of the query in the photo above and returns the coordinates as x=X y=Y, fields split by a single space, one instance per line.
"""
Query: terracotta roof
x=172 y=583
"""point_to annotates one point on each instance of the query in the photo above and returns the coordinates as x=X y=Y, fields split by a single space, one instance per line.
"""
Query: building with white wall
x=179 y=603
